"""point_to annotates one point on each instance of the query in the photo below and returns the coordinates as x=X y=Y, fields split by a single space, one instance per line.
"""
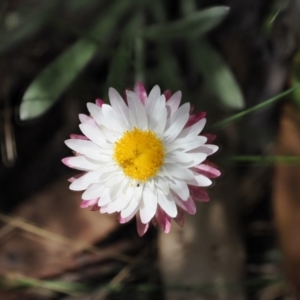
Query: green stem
x=255 y=108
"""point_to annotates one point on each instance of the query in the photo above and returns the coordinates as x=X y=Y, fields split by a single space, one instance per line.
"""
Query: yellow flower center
x=139 y=153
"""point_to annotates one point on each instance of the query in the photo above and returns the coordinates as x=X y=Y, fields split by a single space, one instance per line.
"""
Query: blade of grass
x=195 y=24
x=267 y=159
x=255 y=108
x=122 y=57
x=218 y=77
x=20 y=281
x=54 y=80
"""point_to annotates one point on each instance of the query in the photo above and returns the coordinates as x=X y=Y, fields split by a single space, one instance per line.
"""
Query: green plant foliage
x=195 y=24
x=28 y=25
x=55 y=79
x=122 y=58
x=255 y=108
x=217 y=74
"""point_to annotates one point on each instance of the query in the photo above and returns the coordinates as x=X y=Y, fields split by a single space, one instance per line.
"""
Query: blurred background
x=235 y=59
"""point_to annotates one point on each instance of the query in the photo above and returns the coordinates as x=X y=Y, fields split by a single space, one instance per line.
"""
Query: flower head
x=142 y=156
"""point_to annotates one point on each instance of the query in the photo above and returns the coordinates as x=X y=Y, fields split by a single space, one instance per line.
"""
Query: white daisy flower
x=142 y=157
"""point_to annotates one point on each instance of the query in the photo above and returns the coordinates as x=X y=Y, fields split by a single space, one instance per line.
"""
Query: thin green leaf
x=217 y=74
x=122 y=57
x=196 y=24
x=188 y=7
x=169 y=72
x=55 y=79
x=69 y=288
x=263 y=160
x=276 y=8
x=255 y=108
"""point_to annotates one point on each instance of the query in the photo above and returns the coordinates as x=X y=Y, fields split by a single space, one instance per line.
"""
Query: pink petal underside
x=99 y=102
x=84 y=119
x=210 y=137
x=207 y=171
x=179 y=219
x=78 y=137
x=125 y=220
x=198 y=193
x=95 y=207
x=188 y=205
x=168 y=94
x=88 y=203
x=76 y=177
x=140 y=90
x=141 y=228
x=192 y=108
x=163 y=220
x=195 y=118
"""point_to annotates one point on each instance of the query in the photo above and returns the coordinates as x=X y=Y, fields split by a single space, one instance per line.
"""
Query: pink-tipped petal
x=127 y=219
x=163 y=220
x=207 y=171
x=65 y=161
x=179 y=219
x=198 y=194
x=195 y=118
x=140 y=90
x=95 y=207
x=188 y=205
x=78 y=137
x=72 y=179
x=88 y=203
x=99 y=102
x=192 y=108
x=210 y=137
x=141 y=228
x=84 y=119
x=168 y=94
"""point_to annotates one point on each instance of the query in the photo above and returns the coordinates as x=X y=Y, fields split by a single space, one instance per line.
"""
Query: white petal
x=193 y=130
x=186 y=144
x=133 y=205
x=187 y=160
x=174 y=102
x=84 y=119
x=202 y=180
x=153 y=96
x=93 y=191
x=94 y=134
x=104 y=198
x=113 y=120
x=181 y=111
x=180 y=188
x=179 y=172
x=161 y=183
x=124 y=199
x=88 y=148
x=148 y=206
x=118 y=104
x=96 y=113
x=209 y=149
x=83 y=182
x=175 y=128
x=81 y=162
x=167 y=203
x=137 y=109
x=157 y=115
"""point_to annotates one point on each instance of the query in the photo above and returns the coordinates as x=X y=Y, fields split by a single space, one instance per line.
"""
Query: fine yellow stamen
x=139 y=153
